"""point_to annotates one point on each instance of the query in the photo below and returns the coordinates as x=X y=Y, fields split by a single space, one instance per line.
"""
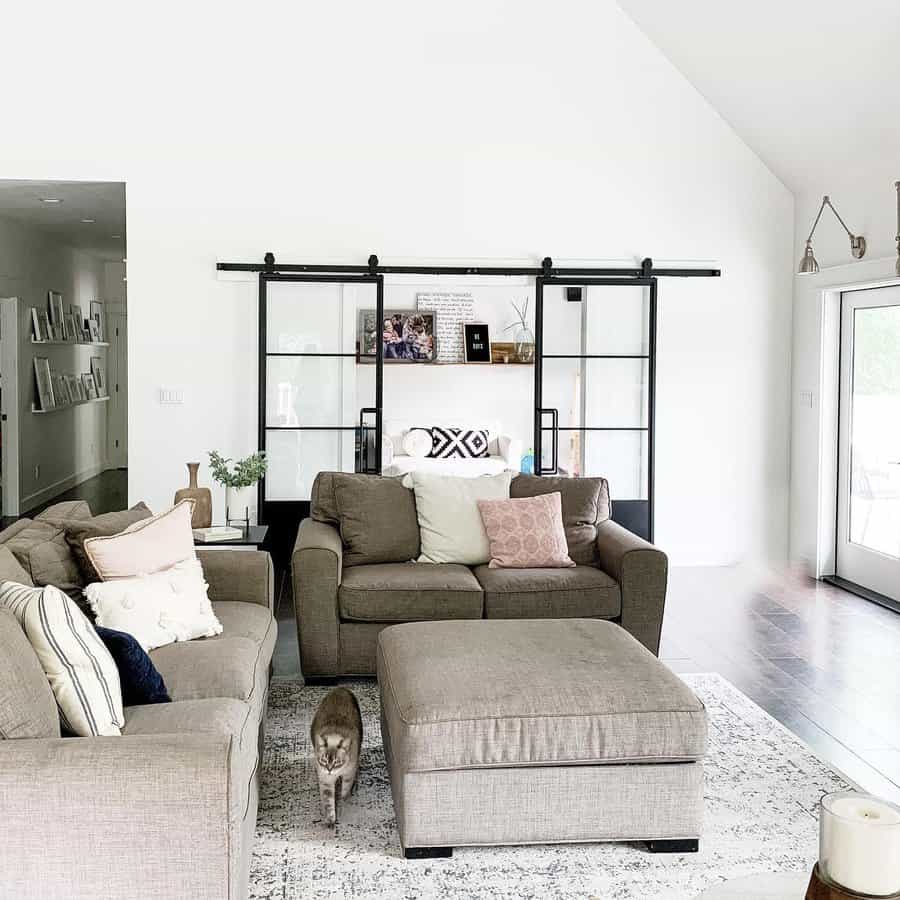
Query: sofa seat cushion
x=461 y=468
x=224 y=716
x=582 y=591
x=242 y=619
x=404 y=592
x=458 y=695
x=227 y=665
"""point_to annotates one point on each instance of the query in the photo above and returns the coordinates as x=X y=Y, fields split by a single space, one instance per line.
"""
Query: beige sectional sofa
x=353 y=577
x=169 y=808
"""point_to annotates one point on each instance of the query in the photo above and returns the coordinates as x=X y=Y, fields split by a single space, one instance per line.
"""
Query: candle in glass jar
x=859 y=843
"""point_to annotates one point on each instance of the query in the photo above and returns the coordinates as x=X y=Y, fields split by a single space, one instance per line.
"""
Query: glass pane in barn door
x=321 y=385
x=594 y=417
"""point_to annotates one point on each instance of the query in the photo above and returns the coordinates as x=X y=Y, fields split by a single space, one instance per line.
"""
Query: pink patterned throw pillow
x=526 y=532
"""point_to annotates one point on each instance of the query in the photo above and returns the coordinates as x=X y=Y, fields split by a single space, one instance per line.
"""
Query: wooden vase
x=821 y=890
x=202 y=517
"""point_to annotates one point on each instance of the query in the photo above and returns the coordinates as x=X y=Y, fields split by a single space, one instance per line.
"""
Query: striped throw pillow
x=81 y=671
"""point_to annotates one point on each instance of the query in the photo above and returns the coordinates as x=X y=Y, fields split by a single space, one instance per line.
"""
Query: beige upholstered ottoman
x=537 y=731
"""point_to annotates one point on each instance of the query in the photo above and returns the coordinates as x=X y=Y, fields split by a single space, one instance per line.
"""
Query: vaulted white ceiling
x=812 y=86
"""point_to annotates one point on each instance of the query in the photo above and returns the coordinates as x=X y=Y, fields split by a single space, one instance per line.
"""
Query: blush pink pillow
x=526 y=532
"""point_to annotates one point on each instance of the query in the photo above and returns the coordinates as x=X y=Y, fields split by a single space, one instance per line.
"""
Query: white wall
x=67 y=446
x=867 y=201
x=491 y=130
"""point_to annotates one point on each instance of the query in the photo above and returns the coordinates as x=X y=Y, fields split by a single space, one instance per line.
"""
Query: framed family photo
x=90 y=388
x=407 y=335
x=57 y=314
x=98 y=370
x=46 y=398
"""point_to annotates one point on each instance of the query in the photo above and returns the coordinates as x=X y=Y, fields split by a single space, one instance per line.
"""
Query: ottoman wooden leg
x=428 y=852
x=691 y=845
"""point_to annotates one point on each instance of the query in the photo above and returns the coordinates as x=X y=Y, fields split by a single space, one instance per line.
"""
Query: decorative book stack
x=217 y=533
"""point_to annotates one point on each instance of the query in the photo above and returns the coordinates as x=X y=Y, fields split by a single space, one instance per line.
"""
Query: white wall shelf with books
x=70 y=343
x=44 y=412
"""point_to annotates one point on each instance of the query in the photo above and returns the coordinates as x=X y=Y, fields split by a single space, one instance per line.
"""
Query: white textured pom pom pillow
x=82 y=674
x=157 y=609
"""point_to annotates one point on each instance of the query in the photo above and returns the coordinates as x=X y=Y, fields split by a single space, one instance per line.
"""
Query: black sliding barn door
x=594 y=387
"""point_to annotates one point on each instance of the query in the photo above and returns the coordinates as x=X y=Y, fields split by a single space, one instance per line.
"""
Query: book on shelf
x=217 y=533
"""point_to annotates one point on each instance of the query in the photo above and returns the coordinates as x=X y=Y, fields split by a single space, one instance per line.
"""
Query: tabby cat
x=336 y=736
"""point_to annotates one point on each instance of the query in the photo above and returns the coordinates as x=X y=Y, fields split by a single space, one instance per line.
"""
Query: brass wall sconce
x=808 y=264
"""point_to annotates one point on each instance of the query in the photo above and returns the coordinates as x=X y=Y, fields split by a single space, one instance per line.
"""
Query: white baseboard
x=48 y=493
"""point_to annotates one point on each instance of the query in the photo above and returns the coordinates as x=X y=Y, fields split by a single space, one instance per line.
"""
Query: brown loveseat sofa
x=353 y=577
x=169 y=808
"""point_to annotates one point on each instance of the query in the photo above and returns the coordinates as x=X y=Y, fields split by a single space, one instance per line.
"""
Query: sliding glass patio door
x=868 y=533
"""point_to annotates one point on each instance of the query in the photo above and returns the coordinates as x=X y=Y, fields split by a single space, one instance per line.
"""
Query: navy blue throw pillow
x=141 y=682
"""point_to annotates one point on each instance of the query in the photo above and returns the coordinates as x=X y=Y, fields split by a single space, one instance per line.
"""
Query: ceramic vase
x=241 y=503
x=202 y=517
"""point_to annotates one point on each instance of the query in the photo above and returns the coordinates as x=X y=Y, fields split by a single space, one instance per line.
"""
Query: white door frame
x=876 y=571
x=9 y=402
x=117 y=371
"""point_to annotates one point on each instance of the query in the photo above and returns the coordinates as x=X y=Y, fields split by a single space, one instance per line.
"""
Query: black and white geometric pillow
x=447 y=443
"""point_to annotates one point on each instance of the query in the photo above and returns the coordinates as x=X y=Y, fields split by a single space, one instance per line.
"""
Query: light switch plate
x=171 y=395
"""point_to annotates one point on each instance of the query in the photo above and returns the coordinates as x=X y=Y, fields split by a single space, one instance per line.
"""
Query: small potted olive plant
x=239 y=480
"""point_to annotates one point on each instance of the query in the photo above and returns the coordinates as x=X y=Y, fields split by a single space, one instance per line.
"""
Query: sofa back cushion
x=376 y=516
x=64 y=512
x=585 y=504
x=40 y=548
x=27 y=706
x=79 y=530
x=11 y=569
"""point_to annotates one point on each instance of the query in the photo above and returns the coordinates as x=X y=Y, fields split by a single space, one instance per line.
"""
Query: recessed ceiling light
x=88 y=221
x=50 y=200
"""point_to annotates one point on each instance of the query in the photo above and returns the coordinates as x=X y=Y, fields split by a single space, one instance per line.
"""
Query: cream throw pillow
x=151 y=545
x=449 y=521
x=157 y=609
x=82 y=674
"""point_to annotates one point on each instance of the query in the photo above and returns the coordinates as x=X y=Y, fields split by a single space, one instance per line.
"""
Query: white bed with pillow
x=407 y=447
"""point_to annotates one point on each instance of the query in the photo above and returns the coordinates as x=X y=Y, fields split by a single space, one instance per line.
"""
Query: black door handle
x=364 y=442
x=554 y=467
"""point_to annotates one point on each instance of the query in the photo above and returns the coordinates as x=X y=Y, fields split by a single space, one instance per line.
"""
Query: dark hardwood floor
x=823 y=662
x=105 y=492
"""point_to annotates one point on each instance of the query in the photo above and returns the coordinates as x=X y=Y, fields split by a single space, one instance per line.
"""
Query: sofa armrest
x=245 y=575
x=511 y=451
x=129 y=816
x=316 y=565
x=641 y=570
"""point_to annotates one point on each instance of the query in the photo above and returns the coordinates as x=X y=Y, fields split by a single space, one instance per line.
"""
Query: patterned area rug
x=762 y=788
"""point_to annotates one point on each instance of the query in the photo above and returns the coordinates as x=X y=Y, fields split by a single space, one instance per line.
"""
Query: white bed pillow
x=151 y=545
x=82 y=673
x=157 y=609
x=417 y=443
x=449 y=521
